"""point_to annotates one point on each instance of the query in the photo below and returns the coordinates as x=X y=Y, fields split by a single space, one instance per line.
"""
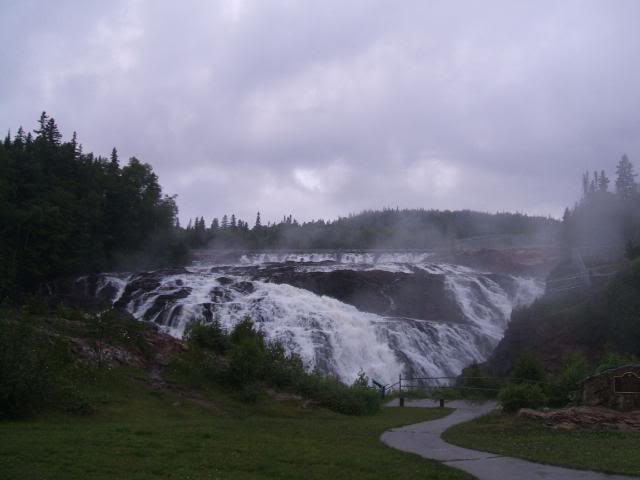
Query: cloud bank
x=319 y=109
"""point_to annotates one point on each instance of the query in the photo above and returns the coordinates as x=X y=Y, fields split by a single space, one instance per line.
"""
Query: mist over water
x=331 y=335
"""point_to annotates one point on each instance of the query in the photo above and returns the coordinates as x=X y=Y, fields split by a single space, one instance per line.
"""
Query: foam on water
x=331 y=335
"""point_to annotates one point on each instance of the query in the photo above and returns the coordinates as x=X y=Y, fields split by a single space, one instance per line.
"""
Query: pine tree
x=53 y=135
x=74 y=145
x=585 y=184
x=603 y=182
x=233 y=224
x=42 y=130
x=215 y=225
x=115 y=163
x=258 y=224
x=225 y=222
x=20 y=140
x=625 y=183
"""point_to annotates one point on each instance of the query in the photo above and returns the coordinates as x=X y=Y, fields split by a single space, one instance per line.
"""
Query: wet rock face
x=163 y=302
x=418 y=295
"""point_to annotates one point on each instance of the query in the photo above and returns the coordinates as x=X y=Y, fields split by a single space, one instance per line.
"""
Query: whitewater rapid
x=330 y=335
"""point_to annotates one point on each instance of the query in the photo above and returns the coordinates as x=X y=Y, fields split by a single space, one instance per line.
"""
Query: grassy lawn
x=140 y=433
x=611 y=452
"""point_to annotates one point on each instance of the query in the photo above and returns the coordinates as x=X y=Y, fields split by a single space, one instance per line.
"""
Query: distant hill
x=377 y=229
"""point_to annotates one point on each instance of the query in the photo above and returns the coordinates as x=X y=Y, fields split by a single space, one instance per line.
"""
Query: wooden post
x=442 y=403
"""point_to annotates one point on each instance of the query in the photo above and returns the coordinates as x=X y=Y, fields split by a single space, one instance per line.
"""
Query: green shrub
x=208 y=336
x=331 y=393
x=528 y=369
x=476 y=383
x=25 y=375
x=250 y=393
x=521 y=395
x=562 y=391
x=245 y=360
x=282 y=368
x=613 y=360
x=36 y=371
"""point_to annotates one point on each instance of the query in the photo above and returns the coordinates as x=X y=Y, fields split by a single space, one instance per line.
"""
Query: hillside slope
x=603 y=318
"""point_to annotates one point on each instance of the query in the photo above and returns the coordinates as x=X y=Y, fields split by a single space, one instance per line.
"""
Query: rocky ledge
x=586 y=418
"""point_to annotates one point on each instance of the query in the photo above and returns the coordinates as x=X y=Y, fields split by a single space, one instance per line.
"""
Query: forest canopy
x=65 y=212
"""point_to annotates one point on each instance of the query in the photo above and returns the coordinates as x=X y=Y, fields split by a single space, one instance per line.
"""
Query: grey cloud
x=324 y=108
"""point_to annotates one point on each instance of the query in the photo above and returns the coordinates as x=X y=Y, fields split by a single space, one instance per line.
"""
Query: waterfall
x=328 y=334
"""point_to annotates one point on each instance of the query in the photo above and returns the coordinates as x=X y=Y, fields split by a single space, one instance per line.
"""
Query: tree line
x=605 y=221
x=63 y=211
x=387 y=228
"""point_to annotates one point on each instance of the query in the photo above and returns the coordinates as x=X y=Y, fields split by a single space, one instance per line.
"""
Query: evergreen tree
x=215 y=225
x=53 y=135
x=258 y=224
x=114 y=158
x=225 y=222
x=625 y=182
x=603 y=182
x=233 y=223
x=585 y=184
x=20 y=140
x=64 y=213
x=42 y=130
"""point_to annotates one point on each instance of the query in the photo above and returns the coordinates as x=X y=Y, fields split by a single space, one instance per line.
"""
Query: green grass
x=611 y=452
x=140 y=433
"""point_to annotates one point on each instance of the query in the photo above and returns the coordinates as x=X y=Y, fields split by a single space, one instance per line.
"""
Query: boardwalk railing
x=448 y=388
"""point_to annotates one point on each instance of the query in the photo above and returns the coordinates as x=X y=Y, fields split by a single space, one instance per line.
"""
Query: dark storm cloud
x=322 y=108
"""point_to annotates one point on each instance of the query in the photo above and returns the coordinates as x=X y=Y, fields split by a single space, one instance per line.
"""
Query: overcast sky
x=321 y=108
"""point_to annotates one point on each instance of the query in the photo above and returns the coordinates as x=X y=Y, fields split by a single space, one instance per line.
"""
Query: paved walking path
x=424 y=439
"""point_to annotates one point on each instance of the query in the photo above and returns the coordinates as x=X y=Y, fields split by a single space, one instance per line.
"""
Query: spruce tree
x=603 y=182
x=53 y=135
x=20 y=140
x=625 y=183
x=114 y=158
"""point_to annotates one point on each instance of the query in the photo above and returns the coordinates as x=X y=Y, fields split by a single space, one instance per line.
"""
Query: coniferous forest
x=64 y=211
x=390 y=228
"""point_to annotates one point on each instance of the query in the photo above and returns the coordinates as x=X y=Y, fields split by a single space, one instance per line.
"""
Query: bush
x=282 y=368
x=562 y=391
x=528 y=369
x=521 y=395
x=250 y=362
x=331 y=393
x=36 y=370
x=25 y=375
x=477 y=384
x=613 y=360
x=210 y=336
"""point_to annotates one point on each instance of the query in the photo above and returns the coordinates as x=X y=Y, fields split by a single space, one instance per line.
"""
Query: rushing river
x=384 y=313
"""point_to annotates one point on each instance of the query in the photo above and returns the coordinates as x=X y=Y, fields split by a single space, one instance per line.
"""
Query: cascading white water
x=331 y=335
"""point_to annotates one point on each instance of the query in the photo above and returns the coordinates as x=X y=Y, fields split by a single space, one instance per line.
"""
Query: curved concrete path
x=424 y=439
